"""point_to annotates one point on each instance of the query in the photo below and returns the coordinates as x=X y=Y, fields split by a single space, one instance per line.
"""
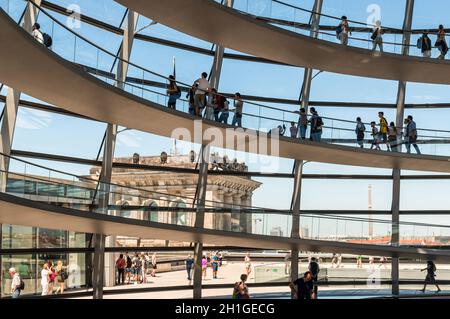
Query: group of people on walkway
x=214 y=260
x=52 y=275
x=389 y=134
x=424 y=44
x=135 y=268
x=315 y=122
x=206 y=102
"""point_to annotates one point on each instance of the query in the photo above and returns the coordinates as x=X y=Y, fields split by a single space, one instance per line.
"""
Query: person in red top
x=120 y=264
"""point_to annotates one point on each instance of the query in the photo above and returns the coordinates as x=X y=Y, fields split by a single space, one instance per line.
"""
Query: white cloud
x=129 y=139
x=33 y=119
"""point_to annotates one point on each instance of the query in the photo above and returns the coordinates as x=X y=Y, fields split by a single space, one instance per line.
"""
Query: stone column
x=218 y=197
x=228 y=200
x=237 y=212
x=246 y=218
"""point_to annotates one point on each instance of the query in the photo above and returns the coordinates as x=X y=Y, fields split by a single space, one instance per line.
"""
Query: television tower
x=370 y=214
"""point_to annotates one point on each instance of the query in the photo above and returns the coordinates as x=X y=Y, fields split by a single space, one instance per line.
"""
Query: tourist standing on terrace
x=360 y=131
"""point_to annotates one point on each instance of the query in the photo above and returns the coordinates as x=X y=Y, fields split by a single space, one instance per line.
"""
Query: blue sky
x=43 y=132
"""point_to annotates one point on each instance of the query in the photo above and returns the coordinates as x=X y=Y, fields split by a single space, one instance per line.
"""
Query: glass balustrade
x=263 y=118
x=86 y=193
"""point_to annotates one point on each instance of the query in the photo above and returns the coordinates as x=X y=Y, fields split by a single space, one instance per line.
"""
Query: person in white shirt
x=37 y=34
x=377 y=36
x=45 y=273
x=15 y=283
x=200 y=93
x=343 y=36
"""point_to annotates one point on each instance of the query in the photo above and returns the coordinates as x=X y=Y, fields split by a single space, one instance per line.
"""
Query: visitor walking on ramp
x=431 y=275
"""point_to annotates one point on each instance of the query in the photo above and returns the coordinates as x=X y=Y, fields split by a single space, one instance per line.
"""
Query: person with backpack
x=343 y=31
x=314 y=268
x=377 y=36
x=303 y=288
x=375 y=136
x=316 y=126
x=240 y=290
x=431 y=275
x=120 y=265
x=174 y=93
x=37 y=34
x=215 y=264
x=42 y=38
x=441 y=43
x=384 y=128
x=17 y=284
x=411 y=135
x=128 y=268
x=61 y=276
x=424 y=44
x=360 y=131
